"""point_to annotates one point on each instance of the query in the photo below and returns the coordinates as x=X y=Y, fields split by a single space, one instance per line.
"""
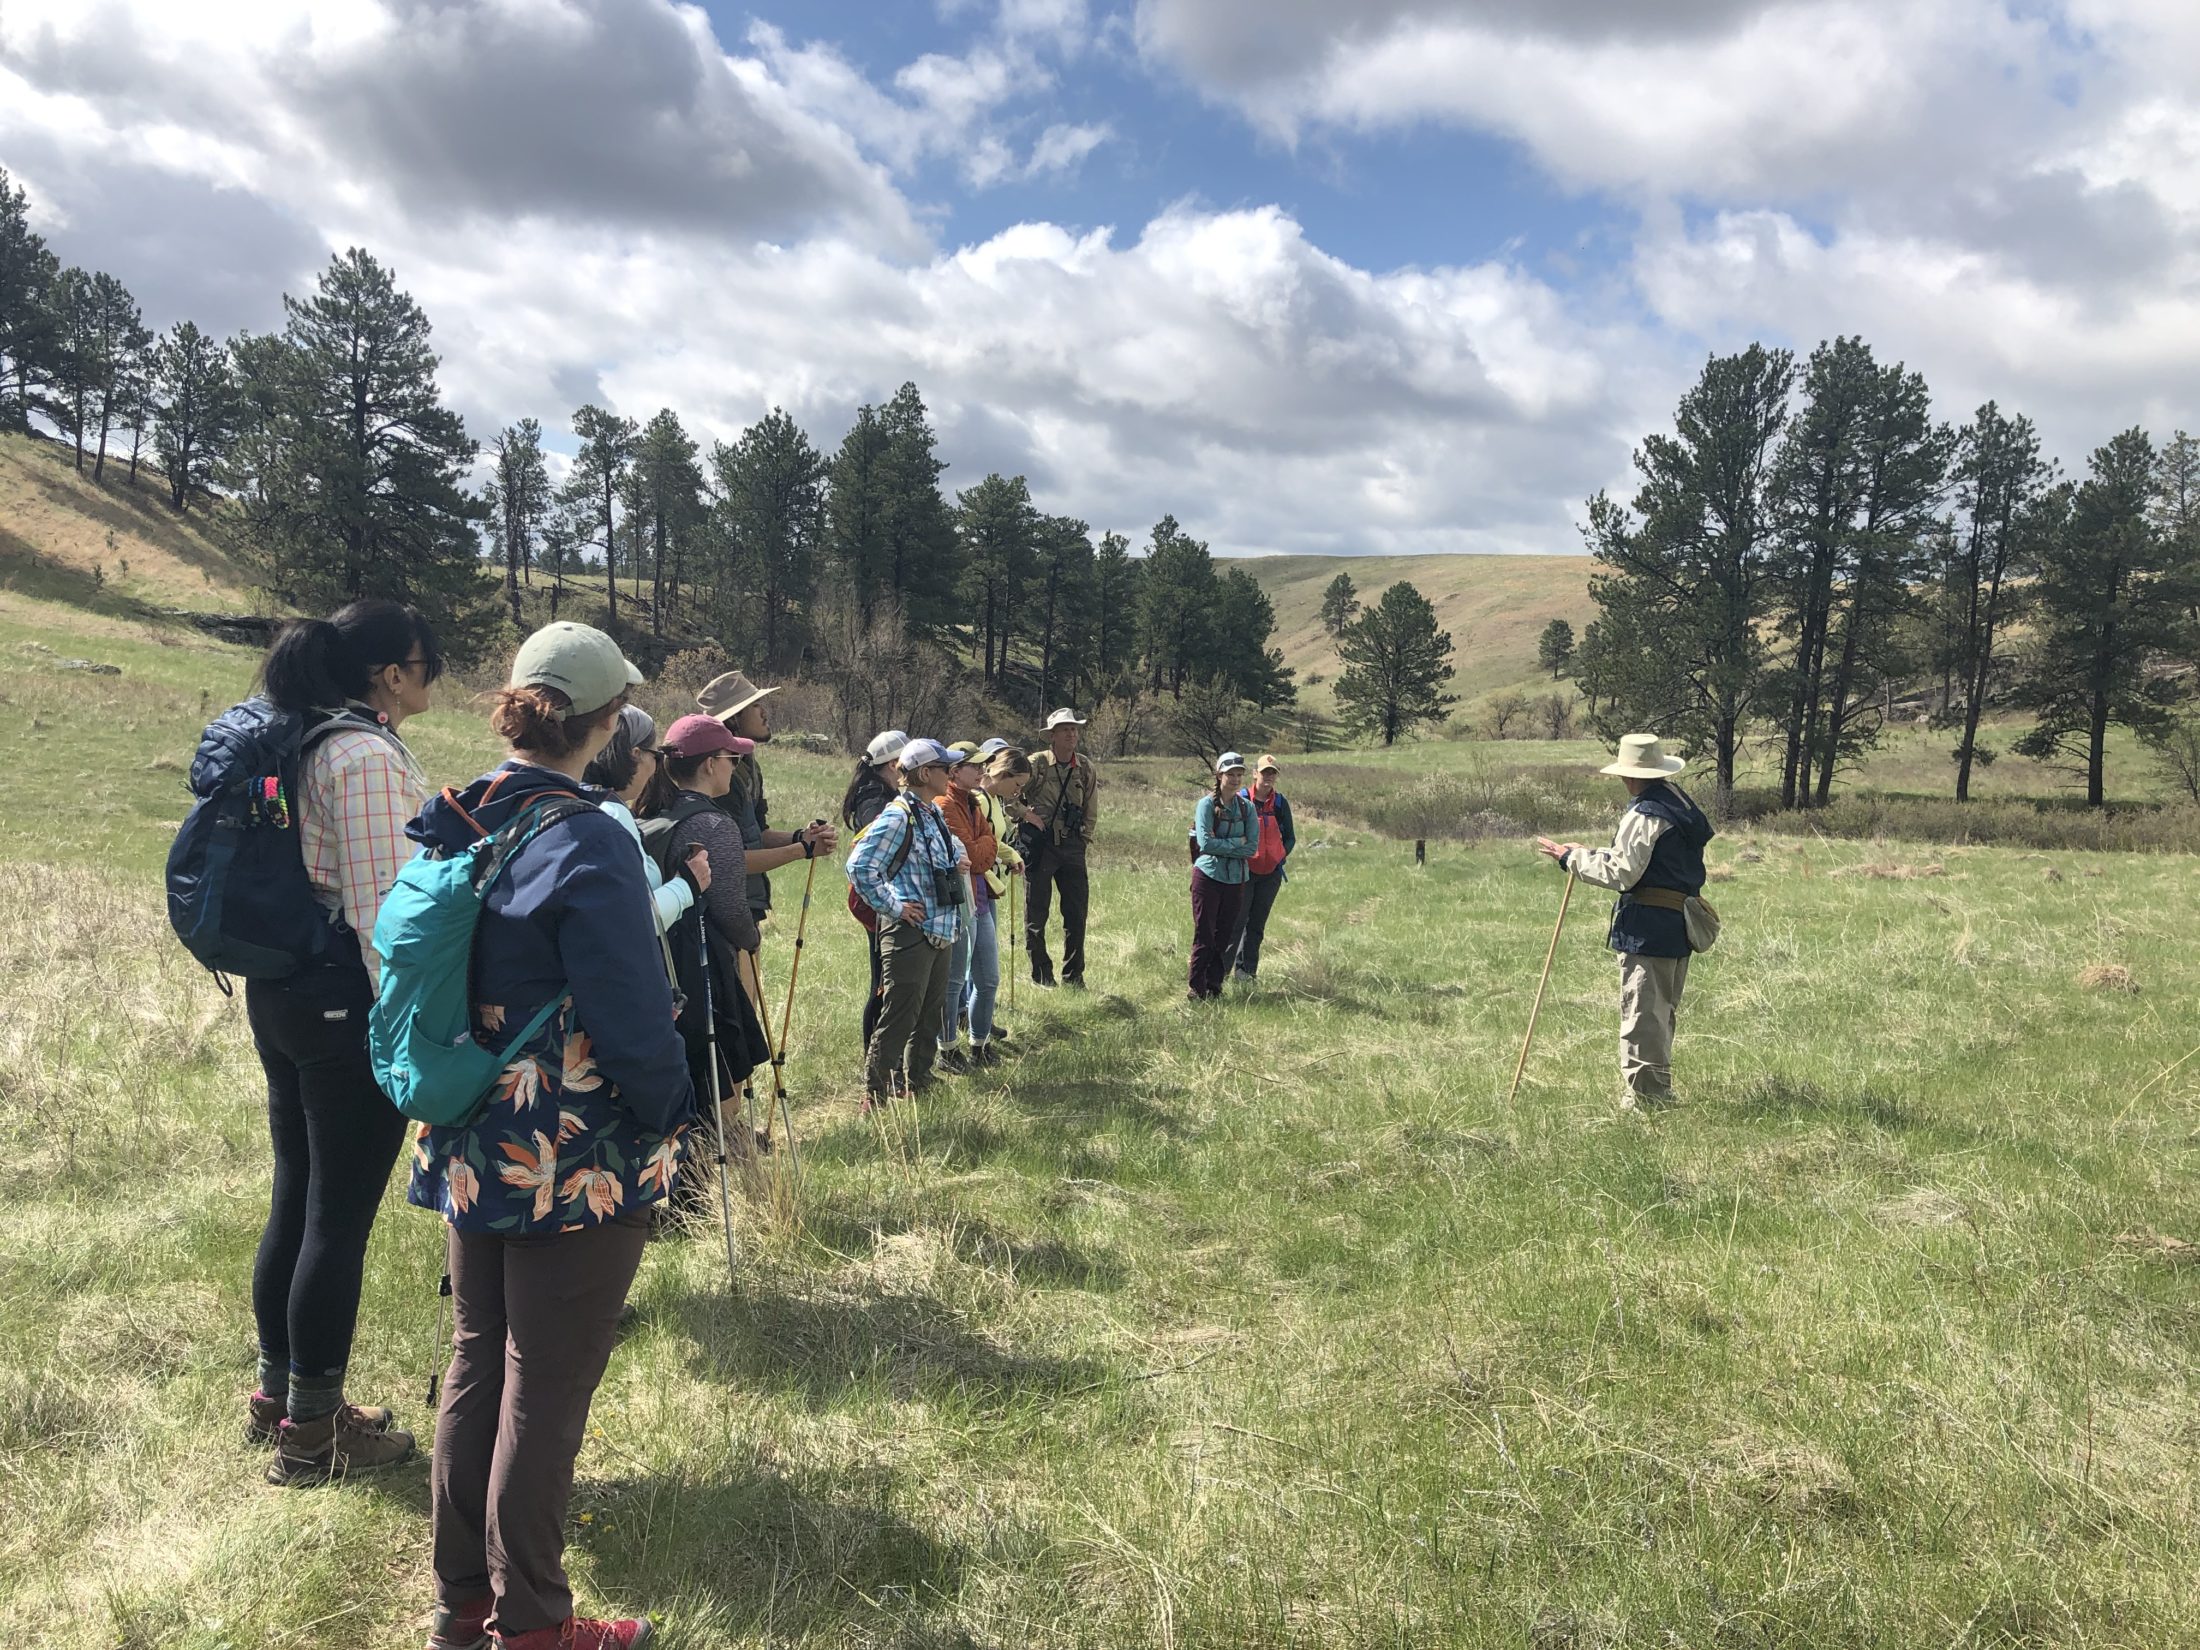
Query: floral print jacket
x=540 y=1158
x=588 y=1120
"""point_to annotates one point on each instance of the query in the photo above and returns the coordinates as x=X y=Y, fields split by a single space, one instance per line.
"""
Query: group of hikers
x=620 y=882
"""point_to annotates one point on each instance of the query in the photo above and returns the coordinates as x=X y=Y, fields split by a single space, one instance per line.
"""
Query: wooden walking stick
x=1563 y=900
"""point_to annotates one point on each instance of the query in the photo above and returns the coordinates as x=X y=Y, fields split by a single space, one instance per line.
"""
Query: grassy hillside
x=107 y=546
x=1494 y=607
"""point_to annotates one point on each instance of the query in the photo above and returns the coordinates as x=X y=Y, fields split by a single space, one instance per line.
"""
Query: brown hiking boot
x=264 y=1418
x=335 y=1446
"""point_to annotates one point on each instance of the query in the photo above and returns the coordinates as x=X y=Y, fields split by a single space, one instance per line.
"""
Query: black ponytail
x=324 y=663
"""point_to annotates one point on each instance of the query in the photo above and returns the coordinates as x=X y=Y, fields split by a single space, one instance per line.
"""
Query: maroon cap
x=701 y=735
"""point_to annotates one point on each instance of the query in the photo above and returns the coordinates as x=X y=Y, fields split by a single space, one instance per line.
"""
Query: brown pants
x=535 y=1317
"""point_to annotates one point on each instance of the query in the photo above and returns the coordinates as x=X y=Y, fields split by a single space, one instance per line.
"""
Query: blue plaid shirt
x=932 y=848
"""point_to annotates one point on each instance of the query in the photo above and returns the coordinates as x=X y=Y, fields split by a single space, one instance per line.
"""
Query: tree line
x=1811 y=555
x=345 y=474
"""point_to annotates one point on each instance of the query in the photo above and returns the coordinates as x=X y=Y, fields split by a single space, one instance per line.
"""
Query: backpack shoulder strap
x=531 y=821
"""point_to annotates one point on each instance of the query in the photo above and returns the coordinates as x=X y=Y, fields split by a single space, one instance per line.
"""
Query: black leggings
x=335 y=1136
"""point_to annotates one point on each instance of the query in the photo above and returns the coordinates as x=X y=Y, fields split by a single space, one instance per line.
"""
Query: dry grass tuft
x=1791 y=1477
x=2108 y=977
x=2153 y=1245
x=1887 y=870
x=1919 y=1206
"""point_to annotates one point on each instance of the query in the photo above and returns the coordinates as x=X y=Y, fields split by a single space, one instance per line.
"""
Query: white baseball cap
x=1228 y=760
x=885 y=747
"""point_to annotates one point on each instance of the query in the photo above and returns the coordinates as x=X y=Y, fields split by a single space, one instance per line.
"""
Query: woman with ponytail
x=1225 y=836
x=355 y=678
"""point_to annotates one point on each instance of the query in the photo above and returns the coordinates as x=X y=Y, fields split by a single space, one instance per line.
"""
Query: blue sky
x=1378 y=276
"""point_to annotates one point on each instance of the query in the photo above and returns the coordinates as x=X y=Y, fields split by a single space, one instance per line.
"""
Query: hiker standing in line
x=1007 y=770
x=1061 y=807
x=1225 y=835
x=738 y=703
x=1655 y=865
x=909 y=868
x=972 y=824
x=686 y=816
x=875 y=783
x=1264 y=871
x=627 y=769
x=363 y=672
x=547 y=1192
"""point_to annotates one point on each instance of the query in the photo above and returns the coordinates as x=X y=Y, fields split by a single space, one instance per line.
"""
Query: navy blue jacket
x=572 y=913
x=1676 y=862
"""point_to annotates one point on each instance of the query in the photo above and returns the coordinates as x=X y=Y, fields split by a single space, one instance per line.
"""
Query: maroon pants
x=535 y=1318
x=1215 y=907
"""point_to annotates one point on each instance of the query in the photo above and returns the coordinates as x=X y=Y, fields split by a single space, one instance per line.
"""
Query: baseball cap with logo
x=1266 y=764
x=578 y=660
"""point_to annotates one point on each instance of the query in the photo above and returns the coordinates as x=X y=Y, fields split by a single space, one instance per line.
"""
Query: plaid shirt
x=360 y=789
x=934 y=849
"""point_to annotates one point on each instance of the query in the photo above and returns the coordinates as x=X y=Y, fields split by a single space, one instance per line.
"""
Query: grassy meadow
x=1252 y=1324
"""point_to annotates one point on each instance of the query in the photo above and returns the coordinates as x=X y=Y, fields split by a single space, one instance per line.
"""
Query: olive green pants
x=1649 y=1001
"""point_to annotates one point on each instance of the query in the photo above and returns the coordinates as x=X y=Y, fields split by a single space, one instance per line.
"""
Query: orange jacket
x=969 y=822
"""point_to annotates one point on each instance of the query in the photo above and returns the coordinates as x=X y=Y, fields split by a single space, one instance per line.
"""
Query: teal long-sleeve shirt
x=1228 y=837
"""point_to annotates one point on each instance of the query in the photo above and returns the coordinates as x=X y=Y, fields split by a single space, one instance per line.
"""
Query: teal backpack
x=420 y=1030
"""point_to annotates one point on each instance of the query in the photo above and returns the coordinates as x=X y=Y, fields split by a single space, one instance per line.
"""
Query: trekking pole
x=1013 y=934
x=1522 y=1066
x=786 y=1019
x=718 y=1110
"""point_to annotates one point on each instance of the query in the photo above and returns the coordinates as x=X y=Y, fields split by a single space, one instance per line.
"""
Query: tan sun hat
x=1640 y=757
x=729 y=695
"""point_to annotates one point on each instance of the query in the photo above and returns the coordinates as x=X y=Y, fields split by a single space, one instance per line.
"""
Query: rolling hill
x=1494 y=607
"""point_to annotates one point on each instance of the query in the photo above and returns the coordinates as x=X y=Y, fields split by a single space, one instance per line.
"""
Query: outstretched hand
x=1555 y=851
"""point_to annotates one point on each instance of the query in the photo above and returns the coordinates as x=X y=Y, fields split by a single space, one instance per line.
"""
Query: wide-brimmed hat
x=1640 y=757
x=729 y=695
x=1064 y=718
x=578 y=660
x=703 y=736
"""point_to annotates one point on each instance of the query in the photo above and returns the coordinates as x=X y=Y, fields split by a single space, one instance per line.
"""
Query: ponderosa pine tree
x=1340 y=604
x=997 y=530
x=772 y=489
x=1244 y=621
x=590 y=498
x=1176 y=610
x=2002 y=485
x=119 y=342
x=2108 y=605
x=1062 y=605
x=1396 y=663
x=27 y=272
x=922 y=553
x=1685 y=581
x=666 y=508
x=519 y=504
x=349 y=468
x=1554 y=648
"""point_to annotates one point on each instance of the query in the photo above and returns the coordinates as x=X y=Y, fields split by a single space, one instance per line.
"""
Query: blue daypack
x=238 y=897
x=420 y=1031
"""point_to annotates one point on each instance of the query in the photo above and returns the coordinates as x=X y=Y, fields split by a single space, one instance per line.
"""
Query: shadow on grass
x=760 y=1556
x=1781 y=1096
x=1044 y=1261
x=823 y=1347
x=24 y=570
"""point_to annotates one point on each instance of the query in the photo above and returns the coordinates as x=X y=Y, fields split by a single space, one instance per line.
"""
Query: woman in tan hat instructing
x=1655 y=865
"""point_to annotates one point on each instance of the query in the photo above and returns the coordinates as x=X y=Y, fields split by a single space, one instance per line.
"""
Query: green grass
x=1265 y=1324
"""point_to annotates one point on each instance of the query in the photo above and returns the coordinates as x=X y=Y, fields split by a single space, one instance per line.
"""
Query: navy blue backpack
x=238 y=897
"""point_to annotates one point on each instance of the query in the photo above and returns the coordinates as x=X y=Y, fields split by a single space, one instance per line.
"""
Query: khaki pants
x=1649 y=998
x=912 y=1000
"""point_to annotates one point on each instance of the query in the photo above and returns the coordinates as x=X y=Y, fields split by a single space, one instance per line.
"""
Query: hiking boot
x=461 y=1626
x=1000 y=1034
x=335 y=1446
x=953 y=1062
x=578 y=1633
x=264 y=1418
x=984 y=1055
